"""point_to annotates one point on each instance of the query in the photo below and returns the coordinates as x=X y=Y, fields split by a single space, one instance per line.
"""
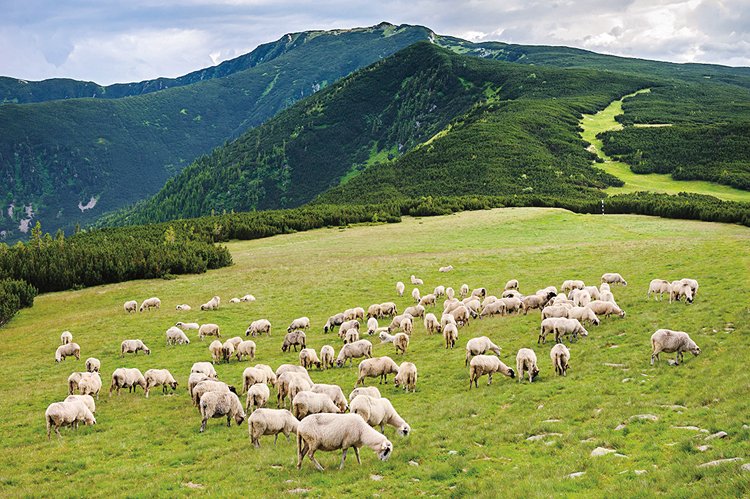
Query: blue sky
x=132 y=40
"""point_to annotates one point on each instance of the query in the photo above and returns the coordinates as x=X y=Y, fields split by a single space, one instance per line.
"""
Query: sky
x=132 y=40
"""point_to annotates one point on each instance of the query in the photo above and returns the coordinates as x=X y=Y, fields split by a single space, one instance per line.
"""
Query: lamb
x=156 y=377
x=361 y=348
x=204 y=368
x=372 y=325
x=130 y=306
x=526 y=361
x=463 y=291
x=247 y=298
x=187 y=325
x=93 y=365
x=605 y=308
x=334 y=392
x=271 y=422
x=512 y=284
x=229 y=347
x=415 y=311
x=67 y=350
x=193 y=381
x=351 y=336
x=668 y=341
x=289 y=385
x=206 y=386
x=133 y=346
x=565 y=327
x=372 y=391
x=379 y=412
x=86 y=400
x=429 y=299
x=293 y=339
x=376 y=367
x=257 y=396
x=583 y=314
x=184 y=307
x=439 y=291
x=450 y=335
x=150 y=303
x=581 y=297
x=270 y=374
x=401 y=342
x=680 y=290
x=66 y=337
x=570 y=285
x=328 y=432
x=431 y=324
x=216 y=405
x=217 y=351
x=246 y=349
x=308 y=358
x=593 y=292
x=129 y=378
x=487 y=364
x=560 y=356
x=90 y=385
x=692 y=283
x=658 y=287
x=416 y=281
x=406 y=377
x=259 y=327
x=308 y=402
x=416 y=295
x=300 y=323
x=614 y=278
x=175 y=336
x=208 y=330
x=400 y=287
x=67 y=414
x=480 y=346
x=446 y=269
x=212 y=304
x=234 y=300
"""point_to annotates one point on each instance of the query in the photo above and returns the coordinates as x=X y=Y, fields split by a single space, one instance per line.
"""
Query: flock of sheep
x=318 y=411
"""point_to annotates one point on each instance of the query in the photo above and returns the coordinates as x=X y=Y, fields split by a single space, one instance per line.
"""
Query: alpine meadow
x=376 y=261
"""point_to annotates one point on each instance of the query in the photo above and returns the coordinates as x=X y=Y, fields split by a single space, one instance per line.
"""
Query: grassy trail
x=604 y=121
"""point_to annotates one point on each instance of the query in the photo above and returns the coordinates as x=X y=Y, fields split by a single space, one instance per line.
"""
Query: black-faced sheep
x=216 y=350
x=415 y=294
x=185 y=326
x=401 y=342
x=512 y=284
x=431 y=324
x=208 y=385
x=583 y=314
x=668 y=341
x=680 y=290
x=212 y=304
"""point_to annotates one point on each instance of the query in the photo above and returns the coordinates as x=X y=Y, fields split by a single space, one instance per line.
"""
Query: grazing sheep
x=493 y=308
x=67 y=350
x=66 y=337
x=614 y=278
x=293 y=339
x=488 y=299
x=229 y=347
x=570 y=285
x=693 y=285
x=90 y=385
x=396 y=322
x=308 y=402
x=563 y=300
x=526 y=361
x=446 y=319
x=401 y=342
x=133 y=346
x=511 y=293
x=512 y=304
x=347 y=325
x=407 y=325
x=270 y=374
x=271 y=422
x=463 y=291
x=156 y=377
x=479 y=293
x=439 y=291
x=361 y=348
x=406 y=377
x=338 y=319
x=129 y=378
x=416 y=296
x=658 y=287
x=308 y=358
x=446 y=269
x=86 y=400
x=356 y=313
x=400 y=287
x=473 y=306
x=130 y=306
x=416 y=281
x=193 y=380
x=555 y=311
x=450 y=335
x=246 y=349
x=371 y=391
x=565 y=327
x=379 y=412
x=581 y=297
x=593 y=292
x=329 y=432
x=234 y=300
x=300 y=323
x=372 y=311
x=247 y=298
x=252 y=376
x=334 y=392
x=583 y=314
x=67 y=414
x=257 y=396
x=175 y=336
x=388 y=309
x=327 y=356
x=480 y=346
x=204 y=368
x=289 y=385
x=668 y=341
x=604 y=287
x=287 y=368
x=351 y=335
x=205 y=386
x=415 y=311
x=450 y=305
x=212 y=304
x=681 y=290
x=208 y=330
x=217 y=351
x=93 y=365
x=606 y=296
x=431 y=324
x=512 y=284
x=372 y=325
x=184 y=307
x=547 y=327
x=150 y=303
x=560 y=356
x=188 y=325
x=461 y=315
x=429 y=299
x=535 y=301
x=216 y=405
x=487 y=364
x=259 y=327
x=376 y=367
x=605 y=308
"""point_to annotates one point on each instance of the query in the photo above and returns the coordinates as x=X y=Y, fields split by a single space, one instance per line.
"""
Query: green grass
x=149 y=447
x=604 y=121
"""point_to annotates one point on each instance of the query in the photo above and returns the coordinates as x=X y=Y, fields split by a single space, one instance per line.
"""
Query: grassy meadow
x=463 y=443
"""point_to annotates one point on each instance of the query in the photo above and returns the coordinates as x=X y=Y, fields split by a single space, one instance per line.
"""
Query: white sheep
x=216 y=405
x=234 y=300
x=361 y=348
x=129 y=378
x=208 y=385
x=593 y=291
x=487 y=364
x=376 y=367
x=204 y=368
x=679 y=290
x=450 y=335
x=159 y=377
x=175 y=336
x=416 y=296
x=74 y=379
x=414 y=311
x=607 y=295
x=479 y=293
x=150 y=303
x=401 y=342
x=308 y=402
x=555 y=311
x=446 y=269
x=228 y=349
x=133 y=346
x=270 y=374
x=583 y=314
x=464 y=291
x=439 y=291
x=209 y=330
x=388 y=309
x=400 y=287
x=67 y=414
x=90 y=385
x=372 y=325
x=252 y=376
x=259 y=327
x=247 y=298
x=581 y=297
x=246 y=349
x=184 y=307
x=286 y=368
x=570 y=285
x=658 y=287
x=372 y=391
x=605 y=308
x=193 y=381
x=334 y=392
x=357 y=313
x=385 y=337
x=480 y=346
x=450 y=293
x=130 y=306
x=431 y=324
x=406 y=377
x=512 y=304
x=351 y=335
x=668 y=341
x=299 y=323
x=293 y=339
x=560 y=356
x=416 y=281
x=496 y=307
x=66 y=337
x=512 y=284
x=565 y=327
x=271 y=422
x=67 y=350
x=526 y=362
x=289 y=385
x=257 y=396
x=212 y=304
x=429 y=299
x=692 y=283
x=604 y=287
x=308 y=358
x=329 y=432
x=87 y=400
x=461 y=315
x=93 y=365
x=614 y=278
x=372 y=311
x=216 y=350
x=379 y=412
x=327 y=356
x=547 y=327
x=185 y=326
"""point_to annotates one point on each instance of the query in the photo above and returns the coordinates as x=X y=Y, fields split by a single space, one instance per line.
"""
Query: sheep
x=416 y=296
x=463 y=290
x=207 y=385
x=406 y=377
x=606 y=296
x=338 y=319
x=451 y=305
x=593 y=292
x=416 y=281
x=692 y=283
x=583 y=314
x=175 y=336
x=216 y=405
x=415 y=311
x=614 y=278
x=372 y=325
x=90 y=385
x=565 y=327
x=234 y=300
x=259 y=327
x=212 y=304
x=74 y=379
x=357 y=313
x=193 y=380
x=373 y=311
x=216 y=349
x=293 y=339
x=308 y=358
x=605 y=308
x=493 y=308
x=93 y=365
x=371 y=391
x=561 y=299
x=431 y=324
x=396 y=322
x=246 y=349
x=508 y=293
x=258 y=374
x=668 y=341
x=480 y=346
x=347 y=325
x=439 y=291
x=680 y=290
x=300 y=323
x=570 y=285
x=473 y=306
x=512 y=284
x=130 y=306
x=86 y=400
x=450 y=335
x=535 y=301
x=308 y=402
x=488 y=299
x=204 y=368
x=376 y=367
x=247 y=298
x=555 y=311
x=361 y=348
x=407 y=325
x=487 y=364
x=133 y=346
x=658 y=287
x=388 y=309
x=400 y=287
x=270 y=374
x=326 y=357
x=271 y=422
x=526 y=361
x=581 y=297
x=286 y=368
x=67 y=414
x=378 y=411
x=560 y=356
x=351 y=336
x=150 y=303
x=429 y=299
x=446 y=269
x=446 y=319
x=289 y=385
x=156 y=377
x=328 y=432
x=67 y=350
x=188 y=325
x=512 y=304
x=547 y=327
x=461 y=315
x=334 y=392
x=479 y=293
x=401 y=342
x=208 y=330
x=257 y=396
x=604 y=287
x=66 y=337
x=229 y=347
x=129 y=378
x=184 y=307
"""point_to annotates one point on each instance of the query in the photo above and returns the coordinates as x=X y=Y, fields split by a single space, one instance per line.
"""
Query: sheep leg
x=343 y=458
x=311 y=455
x=57 y=430
x=489 y=381
x=203 y=424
